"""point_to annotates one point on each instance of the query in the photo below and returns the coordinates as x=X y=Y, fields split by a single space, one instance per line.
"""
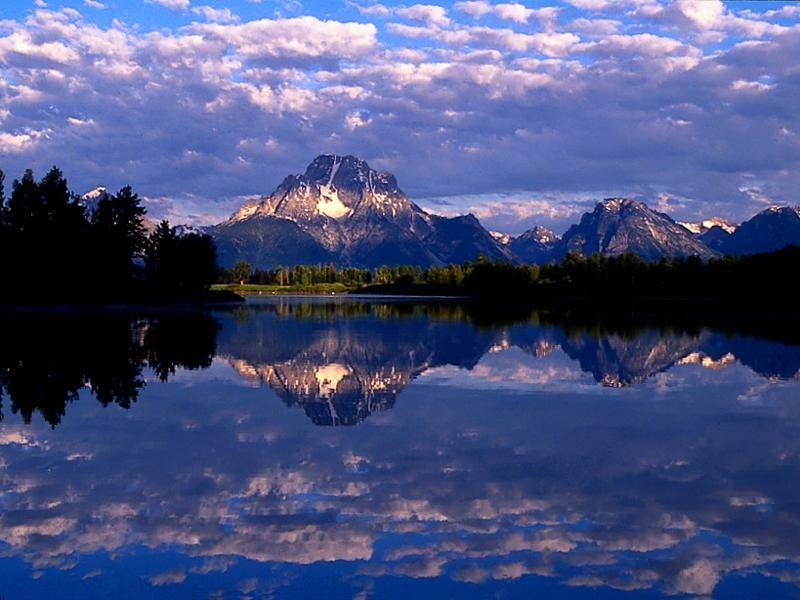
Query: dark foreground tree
x=45 y=234
x=52 y=251
x=179 y=265
x=119 y=235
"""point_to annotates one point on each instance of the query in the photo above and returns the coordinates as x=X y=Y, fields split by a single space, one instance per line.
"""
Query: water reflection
x=342 y=361
x=530 y=457
x=47 y=358
x=338 y=360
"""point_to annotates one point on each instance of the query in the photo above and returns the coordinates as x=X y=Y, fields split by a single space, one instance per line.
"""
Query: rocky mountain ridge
x=340 y=210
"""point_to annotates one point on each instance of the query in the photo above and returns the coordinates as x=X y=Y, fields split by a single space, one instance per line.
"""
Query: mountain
x=91 y=199
x=618 y=226
x=716 y=238
x=536 y=245
x=704 y=226
x=500 y=237
x=342 y=370
x=342 y=210
x=771 y=229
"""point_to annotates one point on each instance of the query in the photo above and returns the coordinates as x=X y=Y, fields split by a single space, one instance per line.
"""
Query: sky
x=521 y=113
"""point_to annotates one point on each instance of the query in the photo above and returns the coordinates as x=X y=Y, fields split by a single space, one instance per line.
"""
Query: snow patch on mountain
x=329 y=376
x=330 y=205
x=701 y=227
x=500 y=237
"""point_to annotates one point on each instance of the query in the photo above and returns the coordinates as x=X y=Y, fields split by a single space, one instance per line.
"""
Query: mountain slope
x=618 y=226
x=771 y=229
x=342 y=210
x=463 y=238
x=716 y=238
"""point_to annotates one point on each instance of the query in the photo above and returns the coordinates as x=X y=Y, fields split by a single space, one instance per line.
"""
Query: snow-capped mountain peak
x=90 y=199
x=500 y=237
x=96 y=194
x=703 y=226
x=341 y=209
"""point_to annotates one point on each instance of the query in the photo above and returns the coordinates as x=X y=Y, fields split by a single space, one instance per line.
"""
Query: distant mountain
x=500 y=237
x=342 y=210
x=716 y=238
x=618 y=226
x=704 y=226
x=90 y=200
x=771 y=229
x=536 y=245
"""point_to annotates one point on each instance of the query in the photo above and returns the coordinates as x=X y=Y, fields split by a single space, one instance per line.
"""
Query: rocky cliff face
x=619 y=226
x=342 y=210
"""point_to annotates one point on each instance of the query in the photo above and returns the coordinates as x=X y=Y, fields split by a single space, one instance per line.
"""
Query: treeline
x=768 y=276
x=55 y=250
x=306 y=275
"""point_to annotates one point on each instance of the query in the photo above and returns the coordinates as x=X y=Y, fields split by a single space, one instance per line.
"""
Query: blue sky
x=523 y=113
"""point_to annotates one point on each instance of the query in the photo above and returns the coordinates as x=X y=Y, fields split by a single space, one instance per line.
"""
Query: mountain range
x=340 y=371
x=343 y=211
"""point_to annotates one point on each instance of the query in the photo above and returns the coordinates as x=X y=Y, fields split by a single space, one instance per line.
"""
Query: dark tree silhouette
x=52 y=251
x=118 y=229
x=179 y=265
x=47 y=359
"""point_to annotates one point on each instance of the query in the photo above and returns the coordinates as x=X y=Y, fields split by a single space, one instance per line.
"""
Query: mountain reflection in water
x=539 y=454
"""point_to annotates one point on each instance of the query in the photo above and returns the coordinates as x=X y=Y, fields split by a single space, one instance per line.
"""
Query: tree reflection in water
x=47 y=358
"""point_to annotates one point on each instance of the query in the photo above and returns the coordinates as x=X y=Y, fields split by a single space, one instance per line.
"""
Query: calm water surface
x=355 y=449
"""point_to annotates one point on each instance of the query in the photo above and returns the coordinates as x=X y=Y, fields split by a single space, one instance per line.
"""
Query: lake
x=360 y=448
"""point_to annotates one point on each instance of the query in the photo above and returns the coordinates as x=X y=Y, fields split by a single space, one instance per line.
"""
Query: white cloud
x=509 y=11
x=11 y=143
x=463 y=106
x=94 y=4
x=514 y=12
x=704 y=15
x=592 y=4
x=476 y=8
x=374 y=10
x=307 y=37
x=425 y=13
x=216 y=15
x=750 y=86
x=171 y=4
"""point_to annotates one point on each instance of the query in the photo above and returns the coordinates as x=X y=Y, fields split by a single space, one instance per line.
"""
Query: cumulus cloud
x=215 y=15
x=426 y=13
x=171 y=4
x=510 y=11
x=487 y=97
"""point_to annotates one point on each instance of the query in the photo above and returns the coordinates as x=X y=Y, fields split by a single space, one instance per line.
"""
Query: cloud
x=476 y=8
x=510 y=11
x=216 y=15
x=426 y=13
x=171 y=4
x=375 y=10
x=94 y=4
x=482 y=98
x=301 y=37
